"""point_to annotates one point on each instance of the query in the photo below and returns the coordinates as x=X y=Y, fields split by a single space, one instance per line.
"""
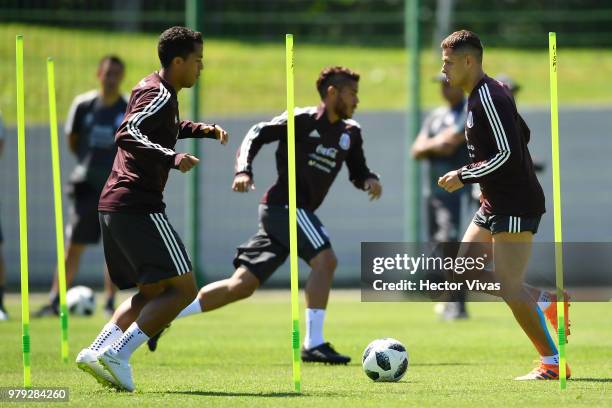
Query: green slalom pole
x=412 y=168
x=23 y=214
x=295 y=317
x=554 y=123
x=57 y=199
x=193 y=16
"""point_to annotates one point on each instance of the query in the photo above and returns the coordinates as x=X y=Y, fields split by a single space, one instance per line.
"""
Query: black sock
x=459 y=296
x=110 y=303
x=1 y=297
x=55 y=302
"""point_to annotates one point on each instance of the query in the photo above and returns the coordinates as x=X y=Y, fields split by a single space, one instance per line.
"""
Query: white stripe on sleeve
x=253 y=133
x=152 y=108
x=500 y=138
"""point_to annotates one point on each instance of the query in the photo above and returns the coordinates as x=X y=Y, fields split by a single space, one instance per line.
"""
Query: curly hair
x=335 y=76
x=464 y=40
x=177 y=42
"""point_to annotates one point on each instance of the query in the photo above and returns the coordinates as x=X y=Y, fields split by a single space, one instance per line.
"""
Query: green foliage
x=507 y=23
x=249 y=77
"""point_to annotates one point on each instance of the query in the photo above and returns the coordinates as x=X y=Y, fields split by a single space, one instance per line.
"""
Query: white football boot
x=118 y=368
x=87 y=360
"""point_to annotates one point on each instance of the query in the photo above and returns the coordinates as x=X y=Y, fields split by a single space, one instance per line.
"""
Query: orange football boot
x=545 y=372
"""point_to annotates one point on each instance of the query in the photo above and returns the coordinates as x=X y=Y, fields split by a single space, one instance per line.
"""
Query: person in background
x=90 y=129
x=441 y=144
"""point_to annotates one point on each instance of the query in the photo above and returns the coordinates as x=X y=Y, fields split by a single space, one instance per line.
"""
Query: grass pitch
x=240 y=355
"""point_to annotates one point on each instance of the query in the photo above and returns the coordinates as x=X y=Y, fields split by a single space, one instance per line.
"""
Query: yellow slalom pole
x=295 y=317
x=554 y=123
x=23 y=214
x=57 y=199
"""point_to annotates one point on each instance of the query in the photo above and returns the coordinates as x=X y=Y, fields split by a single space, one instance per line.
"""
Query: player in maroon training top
x=326 y=138
x=140 y=246
x=512 y=201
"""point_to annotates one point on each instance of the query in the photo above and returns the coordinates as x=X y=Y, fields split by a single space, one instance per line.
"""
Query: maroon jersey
x=497 y=138
x=145 y=141
x=321 y=148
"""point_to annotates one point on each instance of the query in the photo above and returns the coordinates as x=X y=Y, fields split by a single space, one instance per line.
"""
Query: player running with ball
x=326 y=138
x=140 y=246
x=512 y=200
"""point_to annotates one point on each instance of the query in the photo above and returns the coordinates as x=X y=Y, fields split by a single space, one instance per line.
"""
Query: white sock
x=129 y=342
x=544 y=300
x=193 y=308
x=110 y=332
x=550 y=359
x=314 y=328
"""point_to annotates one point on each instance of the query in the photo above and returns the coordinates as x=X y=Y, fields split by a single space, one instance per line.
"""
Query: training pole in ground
x=554 y=125
x=23 y=214
x=57 y=200
x=295 y=316
x=412 y=169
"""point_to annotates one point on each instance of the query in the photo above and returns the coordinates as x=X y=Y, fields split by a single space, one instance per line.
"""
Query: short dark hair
x=335 y=76
x=113 y=59
x=177 y=42
x=464 y=40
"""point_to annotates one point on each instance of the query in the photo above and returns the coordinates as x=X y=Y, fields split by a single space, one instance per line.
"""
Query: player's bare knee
x=188 y=287
x=190 y=292
x=241 y=288
x=325 y=262
x=242 y=284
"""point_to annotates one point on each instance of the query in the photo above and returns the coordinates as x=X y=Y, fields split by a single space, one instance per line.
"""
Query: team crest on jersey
x=345 y=141
x=470 y=120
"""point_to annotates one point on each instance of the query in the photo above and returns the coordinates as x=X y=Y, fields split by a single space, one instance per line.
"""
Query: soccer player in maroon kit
x=326 y=138
x=140 y=246
x=512 y=200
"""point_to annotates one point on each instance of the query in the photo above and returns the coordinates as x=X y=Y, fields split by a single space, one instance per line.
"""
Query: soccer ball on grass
x=385 y=360
x=81 y=301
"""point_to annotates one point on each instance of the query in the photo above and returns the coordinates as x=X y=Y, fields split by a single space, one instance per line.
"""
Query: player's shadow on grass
x=604 y=380
x=237 y=394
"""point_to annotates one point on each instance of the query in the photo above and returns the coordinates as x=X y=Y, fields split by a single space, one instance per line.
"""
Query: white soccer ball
x=81 y=301
x=385 y=360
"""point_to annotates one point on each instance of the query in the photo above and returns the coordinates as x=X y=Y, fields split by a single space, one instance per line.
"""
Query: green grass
x=240 y=356
x=249 y=77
